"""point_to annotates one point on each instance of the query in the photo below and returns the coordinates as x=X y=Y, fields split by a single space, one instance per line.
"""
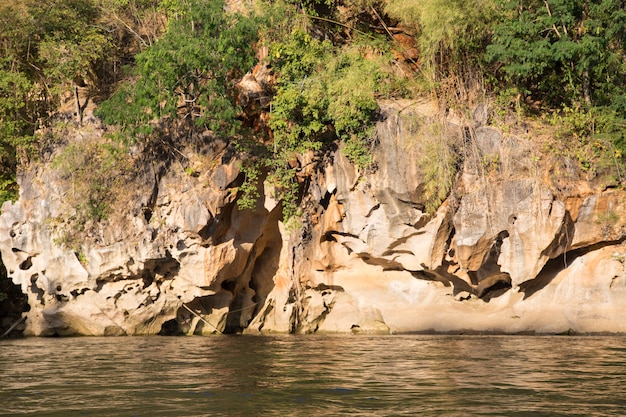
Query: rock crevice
x=506 y=251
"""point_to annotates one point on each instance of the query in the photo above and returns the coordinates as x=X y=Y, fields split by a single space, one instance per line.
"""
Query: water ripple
x=314 y=376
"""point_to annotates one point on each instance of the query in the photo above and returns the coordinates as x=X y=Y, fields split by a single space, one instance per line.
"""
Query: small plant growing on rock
x=439 y=163
x=97 y=172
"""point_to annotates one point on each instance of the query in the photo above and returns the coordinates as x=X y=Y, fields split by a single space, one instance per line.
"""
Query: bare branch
x=550 y=14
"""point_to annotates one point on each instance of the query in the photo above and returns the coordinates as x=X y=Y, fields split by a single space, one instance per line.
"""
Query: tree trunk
x=79 y=109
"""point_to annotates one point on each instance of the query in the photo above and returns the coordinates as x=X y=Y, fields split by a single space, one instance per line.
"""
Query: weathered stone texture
x=510 y=250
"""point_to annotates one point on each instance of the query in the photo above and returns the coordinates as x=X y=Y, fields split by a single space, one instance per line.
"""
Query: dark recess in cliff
x=12 y=304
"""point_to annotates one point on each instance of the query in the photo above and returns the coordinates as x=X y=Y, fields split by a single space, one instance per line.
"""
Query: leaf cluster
x=45 y=46
x=316 y=104
x=595 y=137
x=189 y=73
x=562 y=52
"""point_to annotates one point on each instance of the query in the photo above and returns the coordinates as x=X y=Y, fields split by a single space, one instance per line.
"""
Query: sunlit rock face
x=517 y=246
x=179 y=259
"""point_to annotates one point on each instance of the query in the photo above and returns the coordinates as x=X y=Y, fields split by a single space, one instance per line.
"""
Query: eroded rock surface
x=508 y=251
x=503 y=253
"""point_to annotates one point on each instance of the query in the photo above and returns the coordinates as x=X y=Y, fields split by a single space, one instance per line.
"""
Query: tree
x=69 y=45
x=20 y=104
x=562 y=51
x=188 y=74
x=47 y=48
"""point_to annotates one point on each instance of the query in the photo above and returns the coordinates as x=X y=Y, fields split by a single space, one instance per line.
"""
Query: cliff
x=523 y=241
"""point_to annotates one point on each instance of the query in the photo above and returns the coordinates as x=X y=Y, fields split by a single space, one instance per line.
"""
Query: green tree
x=17 y=91
x=69 y=44
x=46 y=47
x=317 y=103
x=563 y=51
x=189 y=73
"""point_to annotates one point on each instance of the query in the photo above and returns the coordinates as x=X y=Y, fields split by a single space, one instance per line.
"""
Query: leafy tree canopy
x=563 y=51
x=190 y=71
x=44 y=47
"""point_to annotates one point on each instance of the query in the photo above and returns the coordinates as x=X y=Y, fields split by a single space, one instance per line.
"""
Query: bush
x=99 y=174
x=564 y=52
x=189 y=73
x=316 y=104
x=594 y=137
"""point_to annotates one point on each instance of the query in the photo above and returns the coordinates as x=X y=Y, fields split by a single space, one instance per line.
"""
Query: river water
x=414 y=375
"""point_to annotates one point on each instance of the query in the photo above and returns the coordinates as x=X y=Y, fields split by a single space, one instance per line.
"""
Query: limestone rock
x=512 y=248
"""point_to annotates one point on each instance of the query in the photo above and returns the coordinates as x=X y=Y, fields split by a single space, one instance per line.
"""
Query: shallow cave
x=12 y=304
x=486 y=283
x=167 y=267
x=489 y=266
x=171 y=328
x=249 y=296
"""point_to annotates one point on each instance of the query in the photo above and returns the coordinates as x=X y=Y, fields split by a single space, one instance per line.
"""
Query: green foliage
x=249 y=191
x=565 y=57
x=8 y=189
x=563 y=51
x=16 y=87
x=573 y=123
x=316 y=103
x=97 y=173
x=448 y=25
x=439 y=163
x=451 y=34
x=316 y=99
x=594 y=137
x=70 y=44
x=189 y=73
x=358 y=150
x=44 y=47
x=287 y=189
x=68 y=60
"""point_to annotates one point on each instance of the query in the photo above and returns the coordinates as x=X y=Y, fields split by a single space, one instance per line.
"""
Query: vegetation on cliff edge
x=176 y=63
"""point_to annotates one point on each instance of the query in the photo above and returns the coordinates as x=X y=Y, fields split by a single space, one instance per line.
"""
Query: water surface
x=314 y=376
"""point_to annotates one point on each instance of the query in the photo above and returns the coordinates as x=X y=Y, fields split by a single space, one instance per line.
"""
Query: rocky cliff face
x=523 y=243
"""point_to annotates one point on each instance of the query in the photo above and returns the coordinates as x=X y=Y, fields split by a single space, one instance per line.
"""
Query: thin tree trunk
x=79 y=109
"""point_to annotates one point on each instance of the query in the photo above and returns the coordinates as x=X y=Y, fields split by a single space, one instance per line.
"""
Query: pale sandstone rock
x=512 y=250
x=502 y=235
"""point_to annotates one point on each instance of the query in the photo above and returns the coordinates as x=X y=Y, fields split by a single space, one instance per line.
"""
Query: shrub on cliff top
x=189 y=73
x=99 y=173
x=324 y=94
